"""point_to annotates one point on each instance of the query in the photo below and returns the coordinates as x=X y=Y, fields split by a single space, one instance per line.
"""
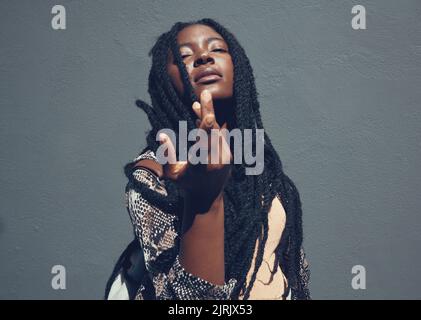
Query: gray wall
x=341 y=106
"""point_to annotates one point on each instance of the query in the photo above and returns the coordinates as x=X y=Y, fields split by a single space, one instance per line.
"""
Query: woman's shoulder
x=145 y=154
x=146 y=169
x=148 y=160
x=145 y=159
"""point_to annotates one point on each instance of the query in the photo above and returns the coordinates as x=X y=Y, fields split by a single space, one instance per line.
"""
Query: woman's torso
x=264 y=288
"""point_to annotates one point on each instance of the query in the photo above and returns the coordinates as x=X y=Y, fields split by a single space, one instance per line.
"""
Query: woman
x=210 y=231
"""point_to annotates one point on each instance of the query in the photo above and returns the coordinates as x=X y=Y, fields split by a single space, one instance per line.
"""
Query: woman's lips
x=209 y=78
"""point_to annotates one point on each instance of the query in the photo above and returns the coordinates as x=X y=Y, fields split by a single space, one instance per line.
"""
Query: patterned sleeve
x=304 y=276
x=157 y=233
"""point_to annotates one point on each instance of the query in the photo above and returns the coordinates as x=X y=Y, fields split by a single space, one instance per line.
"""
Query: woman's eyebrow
x=208 y=40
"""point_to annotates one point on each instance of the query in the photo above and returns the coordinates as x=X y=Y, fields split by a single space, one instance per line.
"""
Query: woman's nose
x=203 y=58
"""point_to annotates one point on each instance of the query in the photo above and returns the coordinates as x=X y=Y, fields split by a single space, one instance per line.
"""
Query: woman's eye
x=184 y=56
x=219 y=50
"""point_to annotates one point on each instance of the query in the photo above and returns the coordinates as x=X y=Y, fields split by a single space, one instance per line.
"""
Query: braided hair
x=247 y=198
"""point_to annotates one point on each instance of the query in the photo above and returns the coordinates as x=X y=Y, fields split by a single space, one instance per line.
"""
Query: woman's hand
x=202 y=183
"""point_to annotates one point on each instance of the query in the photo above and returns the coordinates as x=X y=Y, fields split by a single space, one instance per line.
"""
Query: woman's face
x=208 y=62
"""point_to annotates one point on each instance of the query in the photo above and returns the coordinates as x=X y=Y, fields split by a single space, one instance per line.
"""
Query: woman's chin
x=216 y=92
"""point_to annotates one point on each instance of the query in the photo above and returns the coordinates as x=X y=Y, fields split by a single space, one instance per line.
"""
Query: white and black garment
x=157 y=233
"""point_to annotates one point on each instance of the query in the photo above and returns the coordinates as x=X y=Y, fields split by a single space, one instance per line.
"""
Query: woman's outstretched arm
x=202 y=245
x=157 y=232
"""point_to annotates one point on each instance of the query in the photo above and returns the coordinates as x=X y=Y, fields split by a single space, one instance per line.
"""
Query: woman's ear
x=152 y=165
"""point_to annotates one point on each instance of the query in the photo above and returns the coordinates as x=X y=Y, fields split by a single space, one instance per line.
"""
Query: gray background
x=341 y=106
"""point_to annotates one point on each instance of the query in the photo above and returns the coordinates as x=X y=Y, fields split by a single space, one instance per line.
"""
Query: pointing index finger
x=207 y=104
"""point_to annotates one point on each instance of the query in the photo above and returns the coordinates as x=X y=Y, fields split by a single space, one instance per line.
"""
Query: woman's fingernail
x=162 y=137
x=206 y=95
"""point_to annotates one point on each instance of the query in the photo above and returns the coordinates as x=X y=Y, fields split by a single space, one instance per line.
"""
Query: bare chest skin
x=264 y=288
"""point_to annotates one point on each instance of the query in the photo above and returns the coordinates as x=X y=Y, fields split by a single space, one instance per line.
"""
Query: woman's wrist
x=193 y=207
x=198 y=204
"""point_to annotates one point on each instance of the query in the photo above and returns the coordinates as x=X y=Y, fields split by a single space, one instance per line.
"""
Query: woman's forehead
x=195 y=33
